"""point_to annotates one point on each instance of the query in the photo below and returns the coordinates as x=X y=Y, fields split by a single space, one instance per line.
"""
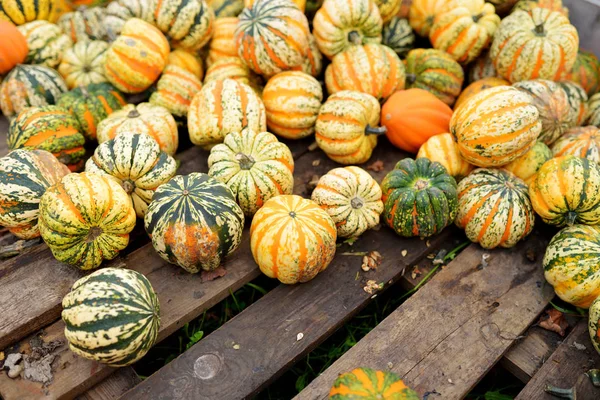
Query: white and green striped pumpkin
x=399 y=36
x=226 y=8
x=592 y=115
x=84 y=24
x=255 y=167
x=119 y=11
x=578 y=99
x=194 y=222
x=111 y=316
x=46 y=43
x=594 y=324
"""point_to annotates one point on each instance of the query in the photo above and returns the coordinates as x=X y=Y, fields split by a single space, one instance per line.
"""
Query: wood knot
x=207 y=366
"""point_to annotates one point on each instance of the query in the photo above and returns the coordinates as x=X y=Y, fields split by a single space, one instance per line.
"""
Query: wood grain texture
x=114 y=386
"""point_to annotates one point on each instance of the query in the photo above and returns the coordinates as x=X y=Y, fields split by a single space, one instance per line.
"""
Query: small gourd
x=443 y=149
x=175 y=90
x=367 y=383
x=581 y=142
x=46 y=43
x=83 y=64
x=526 y=166
x=188 y=24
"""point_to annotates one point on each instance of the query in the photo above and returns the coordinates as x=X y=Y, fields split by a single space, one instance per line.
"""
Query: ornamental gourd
x=398 y=36
x=547 y=36
x=313 y=62
x=226 y=8
x=566 y=190
x=137 y=164
x=526 y=166
x=443 y=149
x=367 y=383
x=479 y=86
x=83 y=64
x=255 y=167
x=482 y=67
x=85 y=24
x=292 y=239
x=388 y=9
x=494 y=208
x=111 y=316
x=586 y=72
x=419 y=198
x=60 y=8
x=24 y=177
x=222 y=107
x=571 y=264
x=233 y=68
x=594 y=324
x=292 y=101
x=339 y=25
x=46 y=43
x=188 y=24
x=581 y=142
x=496 y=126
x=175 y=90
x=352 y=198
x=141 y=119
x=422 y=14
x=118 y=12
x=187 y=60
x=592 y=116
x=194 y=222
x=578 y=99
x=434 y=71
x=552 y=5
x=20 y=12
x=372 y=68
x=222 y=44
x=13 y=49
x=85 y=219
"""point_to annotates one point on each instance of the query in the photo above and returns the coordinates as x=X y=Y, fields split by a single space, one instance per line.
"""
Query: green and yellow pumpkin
x=188 y=24
x=586 y=72
x=594 y=324
x=388 y=9
x=581 y=142
x=187 y=60
x=24 y=177
x=422 y=13
x=84 y=24
x=233 y=68
x=367 y=383
x=551 y=5
x=592 y=115
x=83 y=64
x=398 y=36
x=292 y=239
x=226 y=8
x=60 y=8
x=313 y=62
x=111 y=316
x=46 y=42
x=175 y=90
x=88 y=3
x=194 y=222
x=118 y=12
x=222 y=44
x=526 y=166
x=578 y=99
x=352 y=198
x=479 y=86
x=20 y=12
x=481 y=68
x=443 y=149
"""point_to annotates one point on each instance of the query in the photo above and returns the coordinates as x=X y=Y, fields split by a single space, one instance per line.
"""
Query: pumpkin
x=494 y=208
x=526 y=166
x=194 y=222
x=222 y=44
x=24 y=177
x=412 y=116
x=46 y=43
x=301 y=4
x=292 y=239
x=422 y=13
x=118 y=12
x=85 y=219
x=144 y=118
x=578 y=99
x=88 y=3
x=566 y=190
x=367 y=383
x=581 y=142
x=346 y=128
x=443 y=149
x=313 y=62
x=175 y=90
x=552 y=5
x=292 y=101
x=85 y=24
x=373 y=69
x=586 y=72
x=398 y=36
x=352 y=198
x=542 y=44
x=553 y=105
x=14 y=49
x=571 y=264
x=83 y=64
x=592 y=116
x=479 y=86
x=255 y=167
x=481 y=68
x=388 y=9
x=137 y=57
x=111 y=316
x=272 y=36
x=496 y=126
x=186 y=60
x=226 y=8
x=137 y=164
x=61 y=7
x=91 y=104
x=20 y=12
x=235 y=69
x=419 y=198
x=222 y=107
x=29 y=86
x=49 y=128
x=594 y=324
x=187 y=24
x=339 y=25
x=434 y=71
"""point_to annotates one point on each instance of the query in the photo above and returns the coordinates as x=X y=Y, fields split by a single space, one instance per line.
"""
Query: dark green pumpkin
x=420 y=198
x=399 y=36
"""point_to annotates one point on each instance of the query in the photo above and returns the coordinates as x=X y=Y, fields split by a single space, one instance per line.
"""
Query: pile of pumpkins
x=520 y=139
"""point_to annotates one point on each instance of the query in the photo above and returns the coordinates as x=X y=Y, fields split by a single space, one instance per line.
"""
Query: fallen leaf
x=376 y=166
x=416 y=272
x=236 y=346
x=579 y=346
x=372 y=287
x=316 y=163
x=207 y=276
x=371 y=261
x=404 y=253
x=299 y=336
x=313 y=146
x=554 y=321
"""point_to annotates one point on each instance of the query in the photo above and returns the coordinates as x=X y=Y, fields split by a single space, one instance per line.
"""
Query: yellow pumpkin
x=581 y=142
x=479 y=86
x=526 y=166
x=443 y=149
x=186 y=60
x=222 y=44
x=233 y=68
x=422 y=13
x=175 y=90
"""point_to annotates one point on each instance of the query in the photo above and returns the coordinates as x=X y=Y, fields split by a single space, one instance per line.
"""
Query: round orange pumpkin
x=13 y=47
x=479 y=86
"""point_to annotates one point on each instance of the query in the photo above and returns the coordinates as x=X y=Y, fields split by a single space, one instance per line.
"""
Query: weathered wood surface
x=566 y=368
x=113 y=387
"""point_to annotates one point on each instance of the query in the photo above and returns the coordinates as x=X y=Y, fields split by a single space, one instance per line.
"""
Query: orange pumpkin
x=412 y=116
x=13 y=47
x=222 y=44
x=479 y=86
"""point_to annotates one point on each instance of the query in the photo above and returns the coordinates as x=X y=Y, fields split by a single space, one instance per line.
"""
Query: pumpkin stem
x=133 y=114
x=571 y=217
x=539 y=29
x=354 y=38
x=477 y=17
x=357 y=203
x=561 y=393
x=93 y=234
x=594 y=375
x=369 y=130
x=246 y=162
x=421 y=184
x=128 y=186
x=18 y=247
x=411 y=78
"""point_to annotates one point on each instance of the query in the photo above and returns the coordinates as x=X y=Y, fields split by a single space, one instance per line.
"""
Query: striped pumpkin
x=292 y=239
x=388 y=9
x=20 y=12
x=83 y=64
x=118 y=12
x=367 y=383
x=13 y=50
x=60 y=8
x=194 y=222
x=352 y=198
x=49 y=128
x=398 y=36
x=226 y=8
x=135 y=60
x=581 y=142
x=186 y=60
x=434 y=71
x=255 y=167
x=566 y=190
x=292 y=101
x=552 y=5
x=222 y=107
x=552 y=102
x=188 y=24
x=422 y=14
x=479 y=86
x=84 y=24
x=526 y=166
x=301 y=4
x=443 y=149
x=222 y=44
x=46 y=43
x=481 y=68
x=85 y=219
x=144 y=118
x=594 y=324
x=235 y=69
x=339 y=25
x=373 y=69
x=419 y=198
x=272 y=36
x=91 y=104
x=88 y=3
x=137 y=164
x=578 y=99
x=313 y=62
x=346 y=127
x=586 y=72
x=494 y=208
x=592 y=116
x=496 y=126
x=549 y=38
x=29 y=86
x=571 y=265
x=111 y=316
x=24 y=177
x=175 y=90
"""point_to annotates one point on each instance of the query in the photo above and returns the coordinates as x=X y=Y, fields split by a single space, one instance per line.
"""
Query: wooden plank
x=566 y=367
x=113 y=387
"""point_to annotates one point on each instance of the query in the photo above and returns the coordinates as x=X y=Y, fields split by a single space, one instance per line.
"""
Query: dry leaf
x=313 y=146
x=372 y=287
x=377 y=166
x=404 y=253
x=299 y=336
x=207 y=276
x=554 y=321
x=316 y=163
x=236 y=346
x=416 y=272
x=371 y=261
